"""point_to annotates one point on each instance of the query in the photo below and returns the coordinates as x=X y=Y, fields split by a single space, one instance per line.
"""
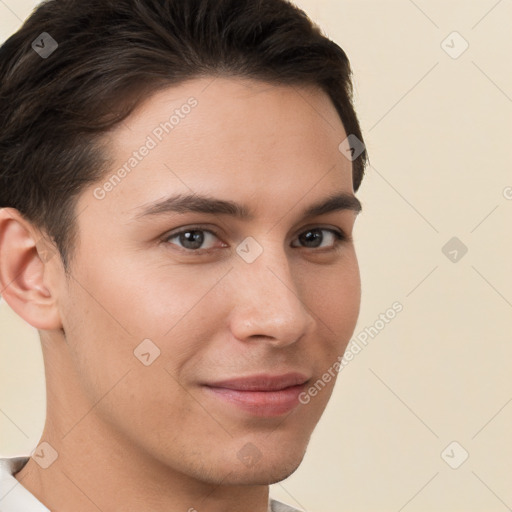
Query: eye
x=192 y=239
x=313 y=238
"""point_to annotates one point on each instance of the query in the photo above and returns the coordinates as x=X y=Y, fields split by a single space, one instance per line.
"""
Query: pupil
x=196 y=240
x=316 y=237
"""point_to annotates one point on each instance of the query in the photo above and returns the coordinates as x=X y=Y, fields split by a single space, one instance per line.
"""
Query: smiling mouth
x=260 y=395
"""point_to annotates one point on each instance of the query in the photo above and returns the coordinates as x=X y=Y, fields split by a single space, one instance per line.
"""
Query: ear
x=28 y=262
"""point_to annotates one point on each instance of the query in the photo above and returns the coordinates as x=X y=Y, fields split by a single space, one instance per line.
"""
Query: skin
x=131 y=437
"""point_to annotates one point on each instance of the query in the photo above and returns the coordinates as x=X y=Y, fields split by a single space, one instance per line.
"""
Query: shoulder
x=11 y=465
x=13 y=496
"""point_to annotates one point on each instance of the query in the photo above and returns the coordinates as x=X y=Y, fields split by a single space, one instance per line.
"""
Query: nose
x=268 y=302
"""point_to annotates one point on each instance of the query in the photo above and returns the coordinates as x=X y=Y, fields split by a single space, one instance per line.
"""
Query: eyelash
x=340 y=238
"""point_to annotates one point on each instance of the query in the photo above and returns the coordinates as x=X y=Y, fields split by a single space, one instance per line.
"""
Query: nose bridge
x=267 y=302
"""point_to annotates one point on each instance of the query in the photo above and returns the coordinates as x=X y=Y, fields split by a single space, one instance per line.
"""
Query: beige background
x=438 y=133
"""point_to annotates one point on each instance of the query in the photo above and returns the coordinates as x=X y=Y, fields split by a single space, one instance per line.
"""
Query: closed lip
x=261 y=382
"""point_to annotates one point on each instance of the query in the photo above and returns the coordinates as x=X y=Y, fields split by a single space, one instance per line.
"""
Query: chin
x=279 y=474
x=264 y=472
x=262 y=476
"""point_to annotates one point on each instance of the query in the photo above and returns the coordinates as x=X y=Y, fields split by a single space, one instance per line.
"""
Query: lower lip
x=261 y=403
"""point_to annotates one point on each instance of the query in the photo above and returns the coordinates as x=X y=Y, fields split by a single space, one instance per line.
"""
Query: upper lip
x=261 y=382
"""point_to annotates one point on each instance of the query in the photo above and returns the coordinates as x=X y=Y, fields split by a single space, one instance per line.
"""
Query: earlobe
x=25 y=264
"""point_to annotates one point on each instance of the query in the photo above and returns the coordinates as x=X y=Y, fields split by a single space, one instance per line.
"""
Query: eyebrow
x=205 y=204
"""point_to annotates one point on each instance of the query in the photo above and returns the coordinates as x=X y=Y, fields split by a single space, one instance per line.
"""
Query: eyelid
x=330 y=227
x=179 y=231
x=341 y=238
x=340 y=234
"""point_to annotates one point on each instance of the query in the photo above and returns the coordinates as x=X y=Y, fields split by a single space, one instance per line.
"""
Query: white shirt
x=16 y=498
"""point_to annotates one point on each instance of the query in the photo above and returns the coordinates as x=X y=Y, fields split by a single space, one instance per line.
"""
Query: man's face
x=234 y=297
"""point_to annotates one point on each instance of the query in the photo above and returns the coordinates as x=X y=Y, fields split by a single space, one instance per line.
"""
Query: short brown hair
x=111 y=55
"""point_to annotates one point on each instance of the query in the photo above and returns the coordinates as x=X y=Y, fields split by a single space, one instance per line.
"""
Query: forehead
x=232 y=95
x=229 y=137
x=234 y=115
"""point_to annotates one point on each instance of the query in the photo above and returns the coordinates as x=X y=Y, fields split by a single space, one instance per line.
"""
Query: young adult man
x=177 y=205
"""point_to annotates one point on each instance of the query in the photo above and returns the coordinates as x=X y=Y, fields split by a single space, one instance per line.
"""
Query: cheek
x=334 y=295
x=100 y=347
x=125 y=304
x=112 y=369
x=142 y=298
